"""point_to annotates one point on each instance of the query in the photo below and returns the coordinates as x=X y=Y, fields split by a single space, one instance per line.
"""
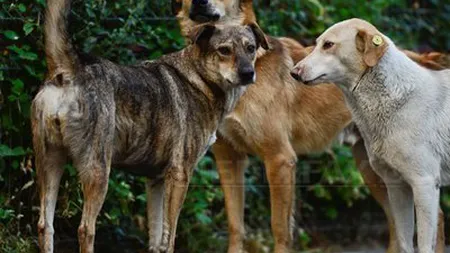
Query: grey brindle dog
x=155 y=119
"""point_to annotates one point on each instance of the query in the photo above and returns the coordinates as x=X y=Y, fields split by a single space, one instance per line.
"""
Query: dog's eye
x=224 y=51
x=251 y=48
x=327 y=45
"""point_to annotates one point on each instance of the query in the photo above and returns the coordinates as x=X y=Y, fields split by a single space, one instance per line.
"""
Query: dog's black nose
x=247 y=75
x=215 y=16
x=199 y=2
x=296 y=73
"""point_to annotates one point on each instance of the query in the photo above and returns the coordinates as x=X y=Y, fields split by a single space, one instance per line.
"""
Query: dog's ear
x=203 y=35
x=259 y=35
x=371 y=45
x=176 y=6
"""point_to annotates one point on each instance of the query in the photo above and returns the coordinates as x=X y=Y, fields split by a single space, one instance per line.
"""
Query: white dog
x=403 y=113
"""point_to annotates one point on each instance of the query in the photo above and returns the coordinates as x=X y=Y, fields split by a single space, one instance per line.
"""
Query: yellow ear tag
x=377 y=40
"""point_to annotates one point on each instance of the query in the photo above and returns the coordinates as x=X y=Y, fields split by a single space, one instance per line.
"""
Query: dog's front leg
x=231 y=166
x=426 y=198
x=280 y=169
x=176 y=186
x=155 y=215
x=402 y=207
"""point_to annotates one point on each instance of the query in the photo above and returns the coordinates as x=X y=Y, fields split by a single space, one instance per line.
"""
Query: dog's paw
x=153 y=249
x=158 y=249
x=163 y=249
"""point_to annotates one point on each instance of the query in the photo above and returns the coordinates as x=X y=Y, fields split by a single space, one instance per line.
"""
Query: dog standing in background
x=402 y=111
x=156 y=120
x=278 y=119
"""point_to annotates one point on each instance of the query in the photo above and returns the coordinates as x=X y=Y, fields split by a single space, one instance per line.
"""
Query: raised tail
x=60 y=53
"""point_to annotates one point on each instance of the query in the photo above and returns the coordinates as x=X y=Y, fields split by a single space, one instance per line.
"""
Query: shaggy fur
x=156 y=119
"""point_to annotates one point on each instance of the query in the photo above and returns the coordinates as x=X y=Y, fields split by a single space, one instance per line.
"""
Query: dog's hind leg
x=176 y=185
x=49 y=169
x=50 y=157
x=402 y=206
x=92 y=158
x=231 y=166
x=155 y=214
x=280 y=169
x=94 y=182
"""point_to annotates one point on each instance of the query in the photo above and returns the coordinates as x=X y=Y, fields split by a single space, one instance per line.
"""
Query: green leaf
x=15 y=164
x=6 y=151
x=17 y=86
x=332 y=213
x=22 y=8
x=14 y=48
x=30 y=70
x=23 y=53
x=28 y=28
x=28 y=56
x=11 y=35
x=203 y=218
x=6 y=214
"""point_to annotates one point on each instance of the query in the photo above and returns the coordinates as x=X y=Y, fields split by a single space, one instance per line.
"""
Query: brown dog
x=156 y=119
x=276 y=119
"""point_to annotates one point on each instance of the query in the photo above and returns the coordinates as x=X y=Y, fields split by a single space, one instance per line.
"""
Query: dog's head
x=191 y=13
x=203 y=11
x=342 y=54
x=227 y=54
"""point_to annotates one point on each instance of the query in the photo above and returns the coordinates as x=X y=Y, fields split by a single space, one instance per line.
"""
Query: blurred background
x=334 y=208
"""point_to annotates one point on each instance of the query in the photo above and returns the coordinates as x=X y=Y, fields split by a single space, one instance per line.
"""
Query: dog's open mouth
x=313 y=81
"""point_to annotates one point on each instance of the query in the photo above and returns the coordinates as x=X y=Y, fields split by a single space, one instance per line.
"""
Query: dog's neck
x=379 y=93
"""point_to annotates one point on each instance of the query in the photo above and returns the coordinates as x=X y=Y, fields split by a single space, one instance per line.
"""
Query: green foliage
x=413 y=25
x=15 y=244
x=134 y=30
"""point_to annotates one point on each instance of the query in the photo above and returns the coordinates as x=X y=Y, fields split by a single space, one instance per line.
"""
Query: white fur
x=403 y=113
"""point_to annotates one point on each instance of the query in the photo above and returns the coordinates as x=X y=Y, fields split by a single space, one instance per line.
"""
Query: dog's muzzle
x=202 y=11
x=247 y=75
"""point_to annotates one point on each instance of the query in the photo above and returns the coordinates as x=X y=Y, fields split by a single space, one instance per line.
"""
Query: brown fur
x=432 y=60
x=156 y=119
x=278 y=119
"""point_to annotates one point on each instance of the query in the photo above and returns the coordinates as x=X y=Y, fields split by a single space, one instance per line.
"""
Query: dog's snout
x=215 y=16
x=296 y=72
x=247 y=75
x=202 y=11
x=200 y=2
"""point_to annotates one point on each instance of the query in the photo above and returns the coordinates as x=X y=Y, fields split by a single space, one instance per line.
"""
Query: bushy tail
x=61 y=56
